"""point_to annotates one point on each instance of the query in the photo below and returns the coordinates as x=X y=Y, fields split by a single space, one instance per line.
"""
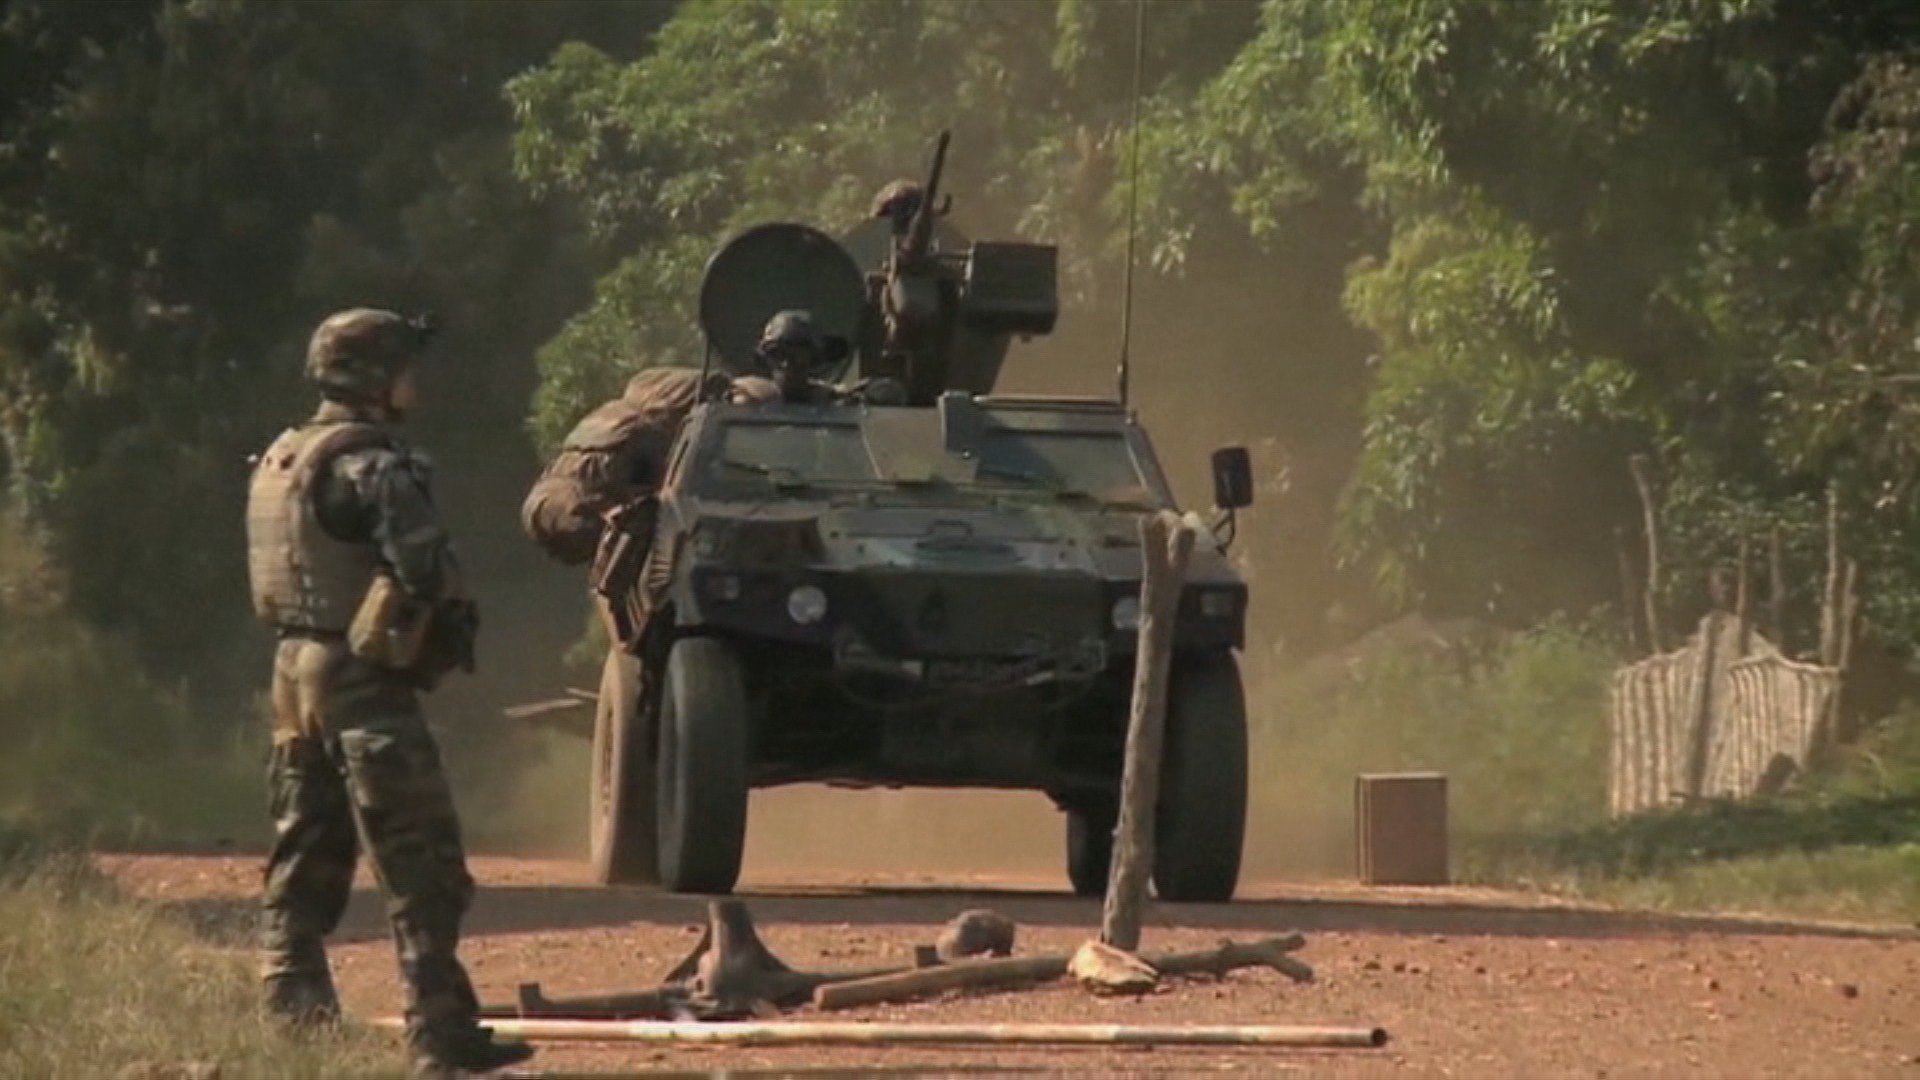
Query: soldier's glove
x=449 y=644
x=463 y=617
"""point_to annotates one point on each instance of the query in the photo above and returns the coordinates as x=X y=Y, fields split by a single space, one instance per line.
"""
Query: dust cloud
x=957 y=838
x=910 y=835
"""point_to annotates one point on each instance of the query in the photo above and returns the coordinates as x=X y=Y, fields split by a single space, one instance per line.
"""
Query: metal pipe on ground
x=877 y=1033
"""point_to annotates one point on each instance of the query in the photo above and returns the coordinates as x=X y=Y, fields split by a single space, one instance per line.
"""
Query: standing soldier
x=350 y=566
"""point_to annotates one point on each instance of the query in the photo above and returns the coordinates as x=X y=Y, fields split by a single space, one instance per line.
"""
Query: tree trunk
x=1650 y=521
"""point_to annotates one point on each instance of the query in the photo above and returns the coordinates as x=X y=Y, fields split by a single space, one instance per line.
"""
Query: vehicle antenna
x=1133 y=192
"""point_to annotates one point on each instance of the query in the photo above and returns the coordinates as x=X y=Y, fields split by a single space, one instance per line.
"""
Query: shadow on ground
x=513 y=909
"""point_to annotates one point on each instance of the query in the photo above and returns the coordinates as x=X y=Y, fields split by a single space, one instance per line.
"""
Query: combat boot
x=467 y=1051
x=302 y=1002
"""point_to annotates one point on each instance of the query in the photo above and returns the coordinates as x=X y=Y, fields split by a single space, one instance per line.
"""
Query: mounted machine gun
x=913 y=298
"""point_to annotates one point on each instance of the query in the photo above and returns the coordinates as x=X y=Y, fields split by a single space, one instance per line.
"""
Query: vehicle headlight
x=806 y=605
x=1217 y=604
x=1126 y=613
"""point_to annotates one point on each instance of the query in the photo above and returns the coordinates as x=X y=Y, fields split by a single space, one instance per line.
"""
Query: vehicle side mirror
x=1232 y=478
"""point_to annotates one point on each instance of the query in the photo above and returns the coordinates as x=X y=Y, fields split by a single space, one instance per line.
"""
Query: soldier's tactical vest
x=303 y=578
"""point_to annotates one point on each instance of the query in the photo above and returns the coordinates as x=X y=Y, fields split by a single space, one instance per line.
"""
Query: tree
x=188 y=189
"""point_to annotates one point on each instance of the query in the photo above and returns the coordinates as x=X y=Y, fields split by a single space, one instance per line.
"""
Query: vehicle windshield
x=1095 y=464
x=903 y=453
x=800 y=454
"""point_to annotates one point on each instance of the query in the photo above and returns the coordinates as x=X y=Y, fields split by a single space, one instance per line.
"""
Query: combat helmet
x=790 y=329
x=898 y=200
x=356 y=354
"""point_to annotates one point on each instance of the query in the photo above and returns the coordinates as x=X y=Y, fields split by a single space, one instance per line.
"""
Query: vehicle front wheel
x=702 y=767
x=1202 y=817
x=620 y=830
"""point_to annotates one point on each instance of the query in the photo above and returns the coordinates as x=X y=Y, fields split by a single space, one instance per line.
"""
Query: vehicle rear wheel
x=620 y=832
x=1090 y=844
x=702 y=767
x=1202 y=818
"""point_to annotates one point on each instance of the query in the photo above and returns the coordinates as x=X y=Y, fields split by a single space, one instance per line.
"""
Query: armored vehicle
x=940 y=591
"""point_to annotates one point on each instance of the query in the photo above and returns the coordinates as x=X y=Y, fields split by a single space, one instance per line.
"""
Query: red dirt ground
x=1469 y=983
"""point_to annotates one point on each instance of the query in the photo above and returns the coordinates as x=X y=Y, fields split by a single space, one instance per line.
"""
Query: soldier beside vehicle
x=616 y=456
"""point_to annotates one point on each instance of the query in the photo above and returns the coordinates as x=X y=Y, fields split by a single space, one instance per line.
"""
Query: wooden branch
x=1028 y=970
x=655 y=1004
x=1743 y=597
x=1629 y=591
x=927 y=982
x=1777 y=587
x=1165 y=546
x=731 y=973
x=1843 y=658
x=883 y=1033
x=1231 y=955
x=1650 y=521
x=1830 y=594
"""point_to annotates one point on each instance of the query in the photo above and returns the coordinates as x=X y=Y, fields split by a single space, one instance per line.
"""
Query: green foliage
x=1583 y=231
x=185 y=190
x=1610 y=229
x=774 y=109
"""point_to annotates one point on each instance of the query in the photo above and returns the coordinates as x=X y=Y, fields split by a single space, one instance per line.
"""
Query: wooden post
x=1838 y=730
x=1165 y=545
x=1650 y=520
x=1743 y=598
x=1629 y=592
x=1830 y=593
x=1777 y=588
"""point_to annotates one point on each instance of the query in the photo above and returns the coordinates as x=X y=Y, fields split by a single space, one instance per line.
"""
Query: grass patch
x=92 y=981
x=1845 y=844
x=1851 y=883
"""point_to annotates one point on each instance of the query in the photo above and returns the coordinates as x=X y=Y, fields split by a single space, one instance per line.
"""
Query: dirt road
x=1468 y=983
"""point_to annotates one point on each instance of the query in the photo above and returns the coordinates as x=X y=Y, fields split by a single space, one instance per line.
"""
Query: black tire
x=702 y=767
x=1202 y=819
x=1090 y=844
x=620 y=827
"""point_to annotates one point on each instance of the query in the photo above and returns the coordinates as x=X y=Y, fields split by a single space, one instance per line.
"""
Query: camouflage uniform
x=614 y=455
x=333 y=503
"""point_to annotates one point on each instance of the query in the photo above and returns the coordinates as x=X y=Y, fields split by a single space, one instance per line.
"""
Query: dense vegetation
x=1447 y=265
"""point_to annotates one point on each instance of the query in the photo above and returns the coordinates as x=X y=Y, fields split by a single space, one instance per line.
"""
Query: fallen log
x=1027 y=970
x=530 y=1001
x=1231 y=955
x=926 y=982
x=729 y=974
x=845 y=1033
